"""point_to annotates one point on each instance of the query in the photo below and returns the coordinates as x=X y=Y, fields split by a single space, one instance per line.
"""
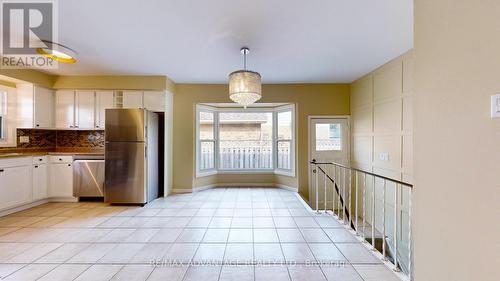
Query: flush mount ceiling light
x=57 y=52
x=244 y=85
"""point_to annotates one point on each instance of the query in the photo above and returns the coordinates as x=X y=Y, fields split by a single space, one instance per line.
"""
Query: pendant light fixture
x=244 y=85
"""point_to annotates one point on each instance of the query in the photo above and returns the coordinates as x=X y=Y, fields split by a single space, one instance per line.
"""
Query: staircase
x=375 y=207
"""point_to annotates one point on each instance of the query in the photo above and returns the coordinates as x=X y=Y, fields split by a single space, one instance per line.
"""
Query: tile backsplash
x=59 y=141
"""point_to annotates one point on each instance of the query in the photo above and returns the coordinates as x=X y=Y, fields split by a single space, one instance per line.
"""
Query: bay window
x=248 y=140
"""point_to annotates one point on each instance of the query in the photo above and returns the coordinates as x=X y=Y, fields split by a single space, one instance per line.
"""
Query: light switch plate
x=24 y=139
x=495 y=106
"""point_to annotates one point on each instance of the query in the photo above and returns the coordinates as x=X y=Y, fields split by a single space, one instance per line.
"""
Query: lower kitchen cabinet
x=61 y=180
x=40 y=182
x=15 y=186
x=25 y=180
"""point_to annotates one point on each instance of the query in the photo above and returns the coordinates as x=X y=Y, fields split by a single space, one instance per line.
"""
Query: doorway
x=329 y=141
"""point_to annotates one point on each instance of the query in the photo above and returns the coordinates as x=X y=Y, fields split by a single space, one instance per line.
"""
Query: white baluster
x=383 y=222
x=316 y=176
x=373 y=213
x=395 y=238
x=364 y=207
x=324 y=186
x=356 y=202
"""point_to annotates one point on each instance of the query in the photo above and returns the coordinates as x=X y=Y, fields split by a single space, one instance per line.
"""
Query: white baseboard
x=63 y=199
x=245 y=184
x=289 y=188
x=236 y=185
x=23 y=207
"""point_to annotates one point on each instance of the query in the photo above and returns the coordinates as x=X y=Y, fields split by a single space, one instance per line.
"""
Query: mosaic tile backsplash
x=59 y=141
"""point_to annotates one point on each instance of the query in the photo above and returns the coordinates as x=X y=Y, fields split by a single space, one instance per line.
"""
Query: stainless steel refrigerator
x=131 y=156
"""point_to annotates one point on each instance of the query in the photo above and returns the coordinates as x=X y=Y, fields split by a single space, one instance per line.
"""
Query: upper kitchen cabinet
x=85 y=110
x=104 y=99
x=35 y=107
x=154 y=101
x=65 y=109
x=150 y=100
x=133 y=99
x=82 y=109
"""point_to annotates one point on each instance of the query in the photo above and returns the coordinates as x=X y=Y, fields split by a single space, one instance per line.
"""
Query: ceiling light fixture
x=57 y=52
x=245 y=86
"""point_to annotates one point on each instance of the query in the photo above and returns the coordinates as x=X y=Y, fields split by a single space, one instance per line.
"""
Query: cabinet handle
x=38 y=125
x=60 y=159
x=36 y=166
x=40 y=159
x=1 y=170
x=69 y=165
x=71 y=126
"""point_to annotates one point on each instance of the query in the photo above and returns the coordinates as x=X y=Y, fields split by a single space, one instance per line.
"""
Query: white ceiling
x=198 y=41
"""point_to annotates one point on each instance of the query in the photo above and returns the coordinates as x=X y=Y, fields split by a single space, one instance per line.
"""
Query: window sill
x=285 y=173
x=232 y=172
x=205 y=174
x=245 y=172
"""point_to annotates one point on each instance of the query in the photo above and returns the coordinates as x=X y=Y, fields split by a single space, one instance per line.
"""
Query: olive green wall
x=310 y=99
x=31 y=76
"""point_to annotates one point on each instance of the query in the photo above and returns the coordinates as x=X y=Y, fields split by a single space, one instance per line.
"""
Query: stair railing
x=345 y=186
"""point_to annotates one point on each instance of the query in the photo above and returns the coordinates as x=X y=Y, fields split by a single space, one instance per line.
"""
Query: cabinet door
x=15 y=186
x=85 y=109
x=154 y=101
x=44 y=108
x=61 y=180
x=132 y=99
x=25 y=105
x=65 y=109
x=40 y=179
x=104 y=100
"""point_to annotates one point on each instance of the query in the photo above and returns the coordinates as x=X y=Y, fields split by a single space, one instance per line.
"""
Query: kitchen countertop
x=33 y=153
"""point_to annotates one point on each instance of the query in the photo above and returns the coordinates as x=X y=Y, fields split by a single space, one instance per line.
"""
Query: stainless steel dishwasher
x=88 y=176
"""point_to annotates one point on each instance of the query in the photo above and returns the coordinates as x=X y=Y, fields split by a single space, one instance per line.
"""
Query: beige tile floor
x=218 y=234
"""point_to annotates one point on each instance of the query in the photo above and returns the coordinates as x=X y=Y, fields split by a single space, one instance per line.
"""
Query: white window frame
x=274 y=141
x=213 y=171
x=291 y=171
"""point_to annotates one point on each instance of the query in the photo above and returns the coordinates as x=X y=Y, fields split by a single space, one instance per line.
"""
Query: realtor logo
x=26 y=27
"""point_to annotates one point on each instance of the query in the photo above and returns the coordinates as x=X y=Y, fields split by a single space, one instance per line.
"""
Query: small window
x=328 y=137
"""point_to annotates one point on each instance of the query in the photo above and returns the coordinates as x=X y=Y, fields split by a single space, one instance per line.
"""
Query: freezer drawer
x=88 y=178
x=125 y=173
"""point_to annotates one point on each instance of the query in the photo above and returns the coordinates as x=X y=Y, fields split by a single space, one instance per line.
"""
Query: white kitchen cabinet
x=61 y=180
x=154 y=101
x=133 y=99
x=65 y=109
x=15 y=182
x=44 y=107
x=84 y=109
x=40 y=181
x=35 y=107
x=104 y=99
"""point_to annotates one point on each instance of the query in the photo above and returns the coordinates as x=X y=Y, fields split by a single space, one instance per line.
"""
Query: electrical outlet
x=384 y=156
x=24 y=139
